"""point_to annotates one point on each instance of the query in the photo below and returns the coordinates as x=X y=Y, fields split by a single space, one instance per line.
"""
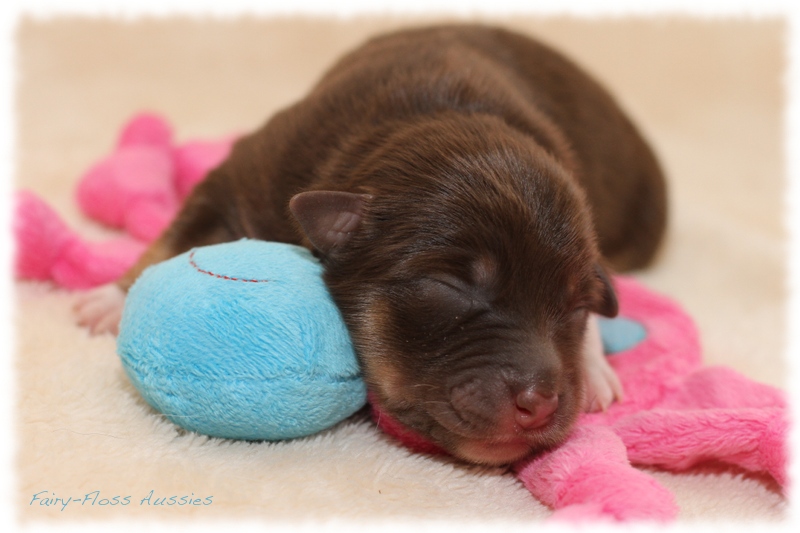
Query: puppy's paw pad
x=100 y=309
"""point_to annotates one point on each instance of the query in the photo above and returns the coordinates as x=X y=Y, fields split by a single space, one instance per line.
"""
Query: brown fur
x=482 y=180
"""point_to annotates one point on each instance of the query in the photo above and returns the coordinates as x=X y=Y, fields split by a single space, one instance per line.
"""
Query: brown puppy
x=464 y=188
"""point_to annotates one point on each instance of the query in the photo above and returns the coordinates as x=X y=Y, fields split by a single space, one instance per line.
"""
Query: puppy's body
x=462 y=186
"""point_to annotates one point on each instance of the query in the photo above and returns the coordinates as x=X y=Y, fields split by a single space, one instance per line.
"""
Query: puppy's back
x=396 y=78
x=619 y=171
x=534 y=89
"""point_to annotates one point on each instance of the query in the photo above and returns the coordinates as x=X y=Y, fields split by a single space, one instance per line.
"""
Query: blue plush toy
x=240 y=340
x=620 y=334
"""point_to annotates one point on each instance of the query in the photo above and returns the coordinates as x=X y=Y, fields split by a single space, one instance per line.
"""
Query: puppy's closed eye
x=445 y=293
x=439 y=302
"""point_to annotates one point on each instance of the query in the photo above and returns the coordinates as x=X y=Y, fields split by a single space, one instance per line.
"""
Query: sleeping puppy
x=466 y=189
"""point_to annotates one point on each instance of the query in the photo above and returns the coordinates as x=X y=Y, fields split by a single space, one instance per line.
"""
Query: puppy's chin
x=494 y=453
x=502 y=450
x=501 y=444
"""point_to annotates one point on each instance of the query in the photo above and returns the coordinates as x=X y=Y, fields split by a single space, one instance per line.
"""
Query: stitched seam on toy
x=222 y=276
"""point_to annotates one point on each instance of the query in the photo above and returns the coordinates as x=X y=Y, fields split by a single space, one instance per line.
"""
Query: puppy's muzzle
x=494 y=405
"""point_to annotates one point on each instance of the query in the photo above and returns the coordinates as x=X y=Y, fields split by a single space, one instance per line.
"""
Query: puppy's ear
x=608 y=304
x=328 y=218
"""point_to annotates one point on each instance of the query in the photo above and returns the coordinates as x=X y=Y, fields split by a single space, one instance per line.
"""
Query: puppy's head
x=464 y=262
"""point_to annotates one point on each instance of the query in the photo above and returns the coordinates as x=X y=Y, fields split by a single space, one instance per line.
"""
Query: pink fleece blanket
x=676 y=413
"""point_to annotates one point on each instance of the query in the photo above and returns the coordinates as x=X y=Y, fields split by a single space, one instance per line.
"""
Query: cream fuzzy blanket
x=708 y=94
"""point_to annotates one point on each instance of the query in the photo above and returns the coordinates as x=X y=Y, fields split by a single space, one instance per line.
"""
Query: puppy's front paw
x=100 y=309
x=600 y=384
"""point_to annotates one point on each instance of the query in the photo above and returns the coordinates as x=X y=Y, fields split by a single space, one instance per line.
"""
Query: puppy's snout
x=495 y=403
x=534 y=408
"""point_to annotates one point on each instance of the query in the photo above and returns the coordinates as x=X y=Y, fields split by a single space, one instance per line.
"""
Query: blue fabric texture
x=240 y=340
x=620 y=334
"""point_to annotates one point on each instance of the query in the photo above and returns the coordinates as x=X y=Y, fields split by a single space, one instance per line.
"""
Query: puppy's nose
x=534 y=408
